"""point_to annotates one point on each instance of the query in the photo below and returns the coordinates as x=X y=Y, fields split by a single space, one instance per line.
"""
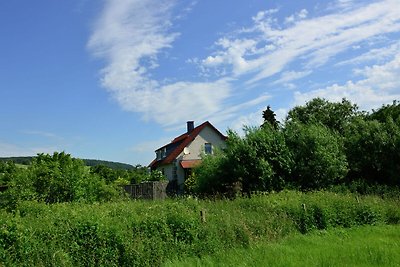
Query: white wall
x=196 y=149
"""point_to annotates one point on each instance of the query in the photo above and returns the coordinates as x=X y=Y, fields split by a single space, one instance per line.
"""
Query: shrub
x=318 y=154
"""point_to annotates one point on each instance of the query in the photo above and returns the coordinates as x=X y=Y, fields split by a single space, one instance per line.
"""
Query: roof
x=184 y=139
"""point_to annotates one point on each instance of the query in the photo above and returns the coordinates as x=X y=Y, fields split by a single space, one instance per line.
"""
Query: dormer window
x=164 y=152
x=158 y=154
x=208 y=148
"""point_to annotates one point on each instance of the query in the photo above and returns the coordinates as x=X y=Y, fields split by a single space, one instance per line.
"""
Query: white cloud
x=289 y=76
x=129 y=35
x=298 y=16
x=313 y=40
x=376 y=54
x=380 y=84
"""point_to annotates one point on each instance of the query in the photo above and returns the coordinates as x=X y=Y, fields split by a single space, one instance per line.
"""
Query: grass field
x=263 y=229
x=360 y=246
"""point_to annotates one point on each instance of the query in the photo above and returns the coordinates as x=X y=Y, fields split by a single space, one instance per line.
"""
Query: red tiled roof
x=186 y=138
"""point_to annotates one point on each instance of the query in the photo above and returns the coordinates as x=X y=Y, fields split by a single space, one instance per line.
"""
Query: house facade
x=176 y=159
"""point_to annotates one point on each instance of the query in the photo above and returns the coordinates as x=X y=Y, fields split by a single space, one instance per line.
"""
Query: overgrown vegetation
x=60 y=178
x=320 y=145
x=59 y=212
x=140 y=233
x=361 y=246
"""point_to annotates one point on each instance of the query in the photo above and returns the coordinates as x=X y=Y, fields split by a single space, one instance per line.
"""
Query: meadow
x=153 y=233
x=360 y=246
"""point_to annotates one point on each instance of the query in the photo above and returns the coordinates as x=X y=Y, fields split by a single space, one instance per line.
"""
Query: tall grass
x=360 y=246
x=144 y=233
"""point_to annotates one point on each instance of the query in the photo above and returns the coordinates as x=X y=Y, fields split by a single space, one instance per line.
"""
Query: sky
x=116 y=79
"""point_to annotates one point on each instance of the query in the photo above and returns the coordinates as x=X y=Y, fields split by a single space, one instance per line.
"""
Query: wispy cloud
x=129 y=35
x=373 y=55
x=268 y=47
x=380 y=84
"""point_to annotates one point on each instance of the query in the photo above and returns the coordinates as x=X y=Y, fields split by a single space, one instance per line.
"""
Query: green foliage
x=258 y=161
x=334 y=116
x=361 y=246
x=156 y=175
x=7 y=170
x=319 y=156
x=54 y=178
x=386 y=113
x=269 y=118
x=143 y=233
x=373 y=151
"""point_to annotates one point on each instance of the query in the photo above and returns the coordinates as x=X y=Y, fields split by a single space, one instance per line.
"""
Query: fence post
x=203 y=216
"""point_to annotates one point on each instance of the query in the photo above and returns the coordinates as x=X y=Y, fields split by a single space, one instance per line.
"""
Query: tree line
x=61 y=178
x=319 y=145
x=88 y=162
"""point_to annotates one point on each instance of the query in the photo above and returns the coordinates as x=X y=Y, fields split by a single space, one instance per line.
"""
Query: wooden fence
x=147 y=190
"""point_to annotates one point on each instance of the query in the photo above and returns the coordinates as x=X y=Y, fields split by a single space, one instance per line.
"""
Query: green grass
x=360 y=246
x=150 y=233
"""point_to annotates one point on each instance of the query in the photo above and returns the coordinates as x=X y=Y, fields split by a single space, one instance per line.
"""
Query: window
x=161 y=153
x=158 y=154
x=208 y=148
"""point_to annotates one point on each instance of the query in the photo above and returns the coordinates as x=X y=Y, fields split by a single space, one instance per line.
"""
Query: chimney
x=190 y=126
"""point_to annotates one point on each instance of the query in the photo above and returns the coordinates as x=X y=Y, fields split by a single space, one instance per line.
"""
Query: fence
x=147 y=190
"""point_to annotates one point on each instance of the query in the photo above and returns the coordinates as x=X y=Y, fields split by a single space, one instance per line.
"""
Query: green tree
x=7 y=170
x=387 y=112
x=335 y=116
x=373 y=150
x=318 y=154
x=269 y=118
x=258 y=161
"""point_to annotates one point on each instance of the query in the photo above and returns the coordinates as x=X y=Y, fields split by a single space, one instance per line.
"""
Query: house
x=176 y=159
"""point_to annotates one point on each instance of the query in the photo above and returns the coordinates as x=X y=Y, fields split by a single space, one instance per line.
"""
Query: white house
x=176 y=159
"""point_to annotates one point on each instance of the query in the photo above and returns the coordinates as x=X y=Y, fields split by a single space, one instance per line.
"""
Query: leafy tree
x=335 y=116
x=258 y=161
x=55 y=177
x=157 y=175
x=108 y=174
x=7 y=170
x=387 y=112
x=318 y=155
x=373 y=150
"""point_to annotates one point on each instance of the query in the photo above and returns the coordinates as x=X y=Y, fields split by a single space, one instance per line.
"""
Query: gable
x=176 y=147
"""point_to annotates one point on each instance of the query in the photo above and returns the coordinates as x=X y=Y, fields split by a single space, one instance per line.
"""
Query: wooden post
x=304 y=207
x=203 y=216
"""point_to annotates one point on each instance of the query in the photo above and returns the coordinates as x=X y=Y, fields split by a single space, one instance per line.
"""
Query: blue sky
x=116 y=79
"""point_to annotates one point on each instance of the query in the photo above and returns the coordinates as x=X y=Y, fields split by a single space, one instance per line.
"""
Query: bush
x=142 y=233
x=319 y=156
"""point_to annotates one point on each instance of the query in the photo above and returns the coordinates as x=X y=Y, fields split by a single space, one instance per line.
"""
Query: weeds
x=143 y=233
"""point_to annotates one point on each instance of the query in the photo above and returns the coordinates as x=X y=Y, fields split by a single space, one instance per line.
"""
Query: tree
x=335 y=116
x=259 y=161
x=318 y=154
x=269 y=118
x=387 y=112
x=373 y=150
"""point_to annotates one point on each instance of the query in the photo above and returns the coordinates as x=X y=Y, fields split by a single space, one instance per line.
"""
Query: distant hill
x=88 y=162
